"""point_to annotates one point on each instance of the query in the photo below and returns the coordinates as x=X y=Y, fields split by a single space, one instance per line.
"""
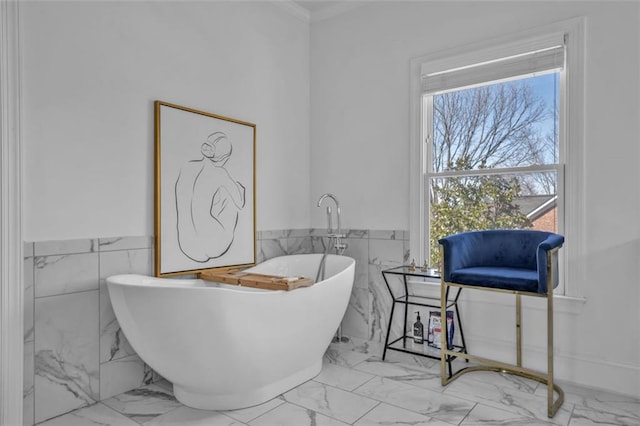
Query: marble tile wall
x=75 y=351
x=374 y=250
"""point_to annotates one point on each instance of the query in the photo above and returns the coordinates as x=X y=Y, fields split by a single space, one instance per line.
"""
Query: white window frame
x=571 y=110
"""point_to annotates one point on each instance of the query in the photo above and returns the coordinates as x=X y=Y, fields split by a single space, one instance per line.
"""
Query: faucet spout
x=333 y=197
x=335 y=200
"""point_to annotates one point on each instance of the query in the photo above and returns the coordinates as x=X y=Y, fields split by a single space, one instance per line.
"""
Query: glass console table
x=405 y=343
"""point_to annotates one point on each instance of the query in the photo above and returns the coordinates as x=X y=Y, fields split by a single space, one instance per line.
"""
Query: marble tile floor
x=356 y=387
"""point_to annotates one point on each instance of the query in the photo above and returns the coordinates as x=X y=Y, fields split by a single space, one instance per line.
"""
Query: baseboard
x=569 y=368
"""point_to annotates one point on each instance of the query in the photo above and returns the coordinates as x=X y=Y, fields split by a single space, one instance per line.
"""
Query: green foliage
x=473 y=203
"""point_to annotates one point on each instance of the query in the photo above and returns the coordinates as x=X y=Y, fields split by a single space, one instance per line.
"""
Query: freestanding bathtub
x=226 y=347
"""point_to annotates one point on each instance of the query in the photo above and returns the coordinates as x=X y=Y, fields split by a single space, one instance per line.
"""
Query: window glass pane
x=508 y=124
x=492 y=201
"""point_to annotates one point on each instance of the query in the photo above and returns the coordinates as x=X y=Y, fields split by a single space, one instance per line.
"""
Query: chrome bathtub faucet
x=337 y=236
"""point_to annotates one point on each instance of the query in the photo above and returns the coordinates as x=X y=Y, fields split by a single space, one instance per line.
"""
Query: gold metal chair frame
x=492 y=365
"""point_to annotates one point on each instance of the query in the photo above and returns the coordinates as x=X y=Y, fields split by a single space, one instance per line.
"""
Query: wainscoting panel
x=76 y=353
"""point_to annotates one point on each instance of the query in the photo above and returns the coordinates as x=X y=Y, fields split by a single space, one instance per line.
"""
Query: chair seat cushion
x=501 y=277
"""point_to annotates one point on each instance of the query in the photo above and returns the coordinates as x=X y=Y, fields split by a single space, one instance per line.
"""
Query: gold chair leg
x=492 y=365
x=518 y=330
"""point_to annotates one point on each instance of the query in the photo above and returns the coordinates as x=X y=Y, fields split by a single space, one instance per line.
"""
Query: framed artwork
x=204 y=191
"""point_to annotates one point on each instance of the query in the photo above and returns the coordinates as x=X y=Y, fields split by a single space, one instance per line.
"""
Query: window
x=495 y=135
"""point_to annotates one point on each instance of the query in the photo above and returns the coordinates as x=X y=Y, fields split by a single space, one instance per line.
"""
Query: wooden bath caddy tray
x=250 y=279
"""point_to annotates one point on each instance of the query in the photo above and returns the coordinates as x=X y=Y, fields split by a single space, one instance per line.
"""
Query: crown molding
x=294 y=9
x=328 y=12
x=335 y=10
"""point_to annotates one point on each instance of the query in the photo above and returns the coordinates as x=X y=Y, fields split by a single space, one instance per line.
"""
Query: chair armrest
x=459 y=250
x=547 y=251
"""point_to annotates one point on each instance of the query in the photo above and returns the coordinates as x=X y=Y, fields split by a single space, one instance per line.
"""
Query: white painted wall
x=91 y=71
x=360 y=151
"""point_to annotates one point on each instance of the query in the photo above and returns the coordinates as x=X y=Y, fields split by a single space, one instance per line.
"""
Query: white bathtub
x=226 y=347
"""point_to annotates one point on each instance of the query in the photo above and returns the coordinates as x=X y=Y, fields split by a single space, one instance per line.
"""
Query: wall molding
x=321 y=14
x=295 y=9
x=499 y=343
x=569 y=368
x=335 y=10
x=11 y=248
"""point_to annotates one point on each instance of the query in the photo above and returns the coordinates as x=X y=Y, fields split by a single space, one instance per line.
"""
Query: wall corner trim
x=11 y=246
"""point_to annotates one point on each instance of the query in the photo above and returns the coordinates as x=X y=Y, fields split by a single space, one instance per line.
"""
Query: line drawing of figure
x=208 y=201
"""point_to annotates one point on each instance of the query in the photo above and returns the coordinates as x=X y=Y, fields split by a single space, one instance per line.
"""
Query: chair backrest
x=501 y=247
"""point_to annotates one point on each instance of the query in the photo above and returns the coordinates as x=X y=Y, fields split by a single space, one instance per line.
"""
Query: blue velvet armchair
x=520 y=262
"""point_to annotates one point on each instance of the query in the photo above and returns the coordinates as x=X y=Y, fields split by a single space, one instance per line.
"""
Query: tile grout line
x=508 y=408
x=280 y=397
x=391 y=404
x=361 y=385
x=33 y=355
x=66 y=294
x=367 y=412
x=302 y=406
x=571 y=414
x=467 y=415
x=99 y=325
x=412 y=385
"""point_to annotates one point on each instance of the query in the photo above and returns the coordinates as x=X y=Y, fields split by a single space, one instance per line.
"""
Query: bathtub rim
x=144 y=281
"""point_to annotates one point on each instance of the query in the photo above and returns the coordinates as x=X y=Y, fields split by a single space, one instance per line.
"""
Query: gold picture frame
x=205 y=191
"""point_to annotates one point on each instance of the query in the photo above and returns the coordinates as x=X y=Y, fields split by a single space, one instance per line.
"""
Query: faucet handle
x=339 y=245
